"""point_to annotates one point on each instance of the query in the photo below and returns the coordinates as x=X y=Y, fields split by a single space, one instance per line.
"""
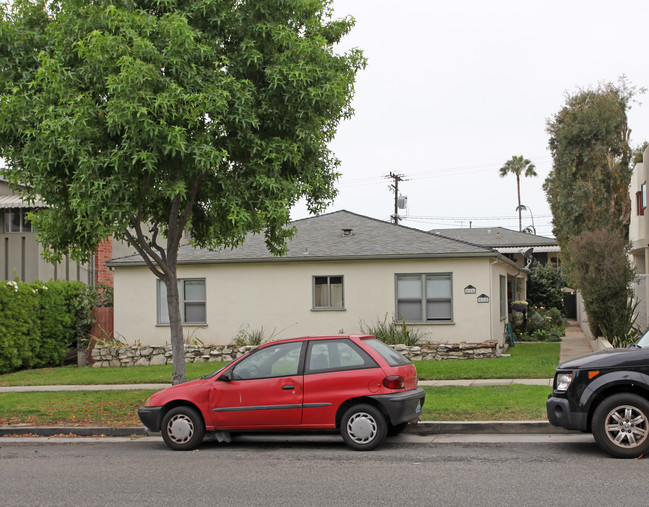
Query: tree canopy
x=146 y=119
x=589 y=140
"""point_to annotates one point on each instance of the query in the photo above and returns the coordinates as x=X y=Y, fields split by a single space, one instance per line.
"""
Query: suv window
x=337 y=355
x=392 y=357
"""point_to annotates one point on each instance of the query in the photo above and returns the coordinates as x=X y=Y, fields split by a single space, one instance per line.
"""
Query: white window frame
x=162 y=318
x=423 y=298
x=329 y=305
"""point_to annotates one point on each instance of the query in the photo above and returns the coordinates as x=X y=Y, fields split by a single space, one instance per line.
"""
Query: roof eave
x=196 y=262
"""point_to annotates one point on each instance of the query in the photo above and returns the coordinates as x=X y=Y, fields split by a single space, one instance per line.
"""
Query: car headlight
x=563 y=381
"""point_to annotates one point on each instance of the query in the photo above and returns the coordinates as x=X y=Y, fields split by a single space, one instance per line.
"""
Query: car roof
x=324 y=337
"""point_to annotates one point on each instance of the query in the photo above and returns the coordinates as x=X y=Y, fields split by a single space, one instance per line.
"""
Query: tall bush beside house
x=602 y=272
x=59 y=319
x=18 y=322
x=38 y=322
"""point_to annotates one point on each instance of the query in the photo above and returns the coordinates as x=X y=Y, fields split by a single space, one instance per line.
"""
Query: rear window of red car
x=392 y=357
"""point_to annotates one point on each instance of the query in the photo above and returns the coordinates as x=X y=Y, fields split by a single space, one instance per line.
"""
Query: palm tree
x=518 y=165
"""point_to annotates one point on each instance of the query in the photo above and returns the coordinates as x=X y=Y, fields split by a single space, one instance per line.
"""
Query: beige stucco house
x=341 y=269
x=639 y=237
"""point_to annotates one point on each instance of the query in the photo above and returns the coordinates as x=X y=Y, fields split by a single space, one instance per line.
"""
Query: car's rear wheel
x=363 y=427
x=182 y=429
x=620 y=425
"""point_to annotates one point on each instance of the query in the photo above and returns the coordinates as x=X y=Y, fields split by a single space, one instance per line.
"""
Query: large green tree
x=518 y=165
x=147 y=119
x=589 y=140
x=588 y=194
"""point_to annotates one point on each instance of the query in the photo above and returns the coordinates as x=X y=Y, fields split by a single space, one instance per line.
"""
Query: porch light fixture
x=469 y=289
x=483 y=298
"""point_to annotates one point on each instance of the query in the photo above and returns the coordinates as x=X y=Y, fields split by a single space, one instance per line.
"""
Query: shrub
x=542 y=325
x=393 y=332
x=39 y=322
x=623 y=331
x=255 y=337
x=546 y=285
x=602 y=272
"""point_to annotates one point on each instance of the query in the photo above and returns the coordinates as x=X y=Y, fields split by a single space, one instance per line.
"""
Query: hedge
x=40 y=321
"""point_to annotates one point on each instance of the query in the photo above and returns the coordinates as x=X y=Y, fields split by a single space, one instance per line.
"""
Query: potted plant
x=519 y=306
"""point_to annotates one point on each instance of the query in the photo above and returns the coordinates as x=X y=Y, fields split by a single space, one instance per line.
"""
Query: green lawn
x=528 y=360
x=83 y=408
x=73 y=375
x=485 y=403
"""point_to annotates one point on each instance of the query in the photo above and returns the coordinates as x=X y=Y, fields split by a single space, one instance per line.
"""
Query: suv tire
x=620 y=425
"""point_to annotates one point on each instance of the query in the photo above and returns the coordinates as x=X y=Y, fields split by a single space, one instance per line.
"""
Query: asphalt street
x=449 y=470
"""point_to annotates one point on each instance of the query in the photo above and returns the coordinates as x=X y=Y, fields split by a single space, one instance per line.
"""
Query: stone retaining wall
x=103 y=357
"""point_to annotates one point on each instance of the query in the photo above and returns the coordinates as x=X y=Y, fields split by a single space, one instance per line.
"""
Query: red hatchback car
x=356 y=385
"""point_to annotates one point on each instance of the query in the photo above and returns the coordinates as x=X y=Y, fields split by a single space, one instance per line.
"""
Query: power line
x=434 y=173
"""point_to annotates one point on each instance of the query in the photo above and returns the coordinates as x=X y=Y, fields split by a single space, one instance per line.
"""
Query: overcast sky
x=453 y=89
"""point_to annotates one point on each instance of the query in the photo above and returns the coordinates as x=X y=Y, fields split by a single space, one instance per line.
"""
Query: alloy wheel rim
x=627 y=426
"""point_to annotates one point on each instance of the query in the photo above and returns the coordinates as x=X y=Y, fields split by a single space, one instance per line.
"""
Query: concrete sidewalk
x=574 y=343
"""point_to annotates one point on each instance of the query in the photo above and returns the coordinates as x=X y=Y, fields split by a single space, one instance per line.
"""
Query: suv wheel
x=182 y=429
x=363 y=427
x=620 y=425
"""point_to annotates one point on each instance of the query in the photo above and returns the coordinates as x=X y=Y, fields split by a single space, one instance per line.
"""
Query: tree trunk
x=176 y=328
x=520 y=211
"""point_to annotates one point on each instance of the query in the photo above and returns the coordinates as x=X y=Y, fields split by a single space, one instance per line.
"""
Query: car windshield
x=643 y=342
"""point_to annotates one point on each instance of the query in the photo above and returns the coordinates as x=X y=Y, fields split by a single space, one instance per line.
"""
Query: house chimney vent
x=347 y=232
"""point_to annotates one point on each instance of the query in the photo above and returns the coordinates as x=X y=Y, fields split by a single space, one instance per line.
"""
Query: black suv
x=606 y=393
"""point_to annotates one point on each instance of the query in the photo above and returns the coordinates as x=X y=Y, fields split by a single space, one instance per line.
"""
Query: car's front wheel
x=182 y=429
x=363 y=427
x=620 y=425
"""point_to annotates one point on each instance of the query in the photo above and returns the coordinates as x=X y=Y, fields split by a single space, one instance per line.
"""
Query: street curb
x=73 y=431
x=422 y=428
x=482 y=427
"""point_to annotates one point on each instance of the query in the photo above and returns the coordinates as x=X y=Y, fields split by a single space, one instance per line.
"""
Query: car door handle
x=288 y=387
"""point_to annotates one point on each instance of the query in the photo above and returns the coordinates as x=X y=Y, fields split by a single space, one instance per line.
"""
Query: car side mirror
x=226 y=376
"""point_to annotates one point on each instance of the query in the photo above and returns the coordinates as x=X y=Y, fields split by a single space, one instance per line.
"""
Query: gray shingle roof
x=496 y=237
x=323 y=238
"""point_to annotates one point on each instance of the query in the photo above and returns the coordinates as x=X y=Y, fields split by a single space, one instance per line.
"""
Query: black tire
x=363 y=427
x=620 y=425
x=182 y=429
x=397 y=429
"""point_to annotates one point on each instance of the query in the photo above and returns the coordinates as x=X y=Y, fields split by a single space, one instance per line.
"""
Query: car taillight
x=394 y=382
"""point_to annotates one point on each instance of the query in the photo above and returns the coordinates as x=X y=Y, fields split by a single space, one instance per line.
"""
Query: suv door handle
x=288 y=387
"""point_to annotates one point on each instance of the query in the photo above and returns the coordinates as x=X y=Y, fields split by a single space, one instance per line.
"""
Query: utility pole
x=395 y=187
